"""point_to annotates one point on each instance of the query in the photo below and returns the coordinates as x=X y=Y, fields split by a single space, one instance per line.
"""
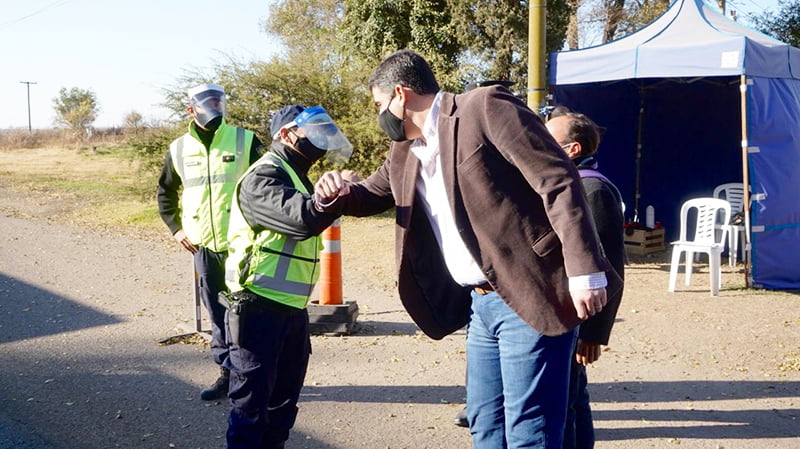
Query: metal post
x=536 y=53
x=30 y=129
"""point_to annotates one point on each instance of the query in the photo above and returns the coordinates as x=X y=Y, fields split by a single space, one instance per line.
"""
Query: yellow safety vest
x=209 y=178
x=268 y=263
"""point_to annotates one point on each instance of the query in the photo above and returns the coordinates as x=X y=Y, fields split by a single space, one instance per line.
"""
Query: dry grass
x=11 y=139
x=99 y=186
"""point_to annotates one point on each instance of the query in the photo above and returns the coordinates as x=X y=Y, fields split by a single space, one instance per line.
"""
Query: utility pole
x=29 y=102
x=536 y=50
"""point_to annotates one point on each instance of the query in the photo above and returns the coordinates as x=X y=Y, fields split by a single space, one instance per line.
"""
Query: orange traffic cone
x=330 y=276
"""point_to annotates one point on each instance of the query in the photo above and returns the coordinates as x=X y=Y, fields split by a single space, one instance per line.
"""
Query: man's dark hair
x=558 y=111
x=407 y=69
x=583 y=130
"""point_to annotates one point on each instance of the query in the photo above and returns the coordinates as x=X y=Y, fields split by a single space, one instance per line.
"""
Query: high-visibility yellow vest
x=209 y=178
x=268 y=263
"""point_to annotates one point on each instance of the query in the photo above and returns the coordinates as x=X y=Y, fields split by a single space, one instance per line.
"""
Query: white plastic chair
x=732 y=192
x=704 y=240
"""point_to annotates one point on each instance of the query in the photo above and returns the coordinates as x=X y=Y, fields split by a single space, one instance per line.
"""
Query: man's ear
x=284 y=137
x=400 y=91
x=574 y=150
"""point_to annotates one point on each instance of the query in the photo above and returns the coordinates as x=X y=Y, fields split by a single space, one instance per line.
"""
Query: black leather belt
x=483 y=289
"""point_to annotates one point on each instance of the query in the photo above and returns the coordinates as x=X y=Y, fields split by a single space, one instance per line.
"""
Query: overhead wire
x=741 y=4
x=35 y=13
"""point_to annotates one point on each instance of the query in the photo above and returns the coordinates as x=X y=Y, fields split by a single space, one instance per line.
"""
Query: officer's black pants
x=268 y=365
x=210 y=268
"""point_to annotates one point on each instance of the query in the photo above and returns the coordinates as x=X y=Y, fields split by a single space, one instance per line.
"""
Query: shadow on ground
x=693 y=414
x=27 y=311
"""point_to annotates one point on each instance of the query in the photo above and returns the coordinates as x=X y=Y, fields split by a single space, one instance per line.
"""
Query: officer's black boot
x=219 y=389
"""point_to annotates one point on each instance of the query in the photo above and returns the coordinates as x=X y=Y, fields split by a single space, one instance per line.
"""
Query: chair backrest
x=707 y=219
x=732 y=192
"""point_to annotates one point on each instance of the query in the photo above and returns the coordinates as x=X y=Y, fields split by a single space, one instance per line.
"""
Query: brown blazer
x=517 y=200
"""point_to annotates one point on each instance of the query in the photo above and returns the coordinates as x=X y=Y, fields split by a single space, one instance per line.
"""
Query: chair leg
x=733 y=246
x=673 y=268
x=715 y=270
x=689 y=258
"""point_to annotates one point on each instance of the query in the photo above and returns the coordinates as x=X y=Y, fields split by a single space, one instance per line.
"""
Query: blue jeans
x=517 y=390
x=579 y=433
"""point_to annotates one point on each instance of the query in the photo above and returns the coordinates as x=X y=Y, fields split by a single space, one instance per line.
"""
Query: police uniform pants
x=268 y=365
x=210 y=268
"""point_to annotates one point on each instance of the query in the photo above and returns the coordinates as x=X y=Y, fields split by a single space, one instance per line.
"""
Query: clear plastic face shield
x=208 y=103
x=320 y=129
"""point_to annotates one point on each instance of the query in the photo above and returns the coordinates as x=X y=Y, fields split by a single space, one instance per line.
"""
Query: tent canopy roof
x=690 y=39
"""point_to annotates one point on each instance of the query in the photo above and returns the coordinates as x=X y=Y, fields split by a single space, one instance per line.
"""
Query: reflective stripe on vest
x=280 y=282
x=209 y=178
x=270 y=264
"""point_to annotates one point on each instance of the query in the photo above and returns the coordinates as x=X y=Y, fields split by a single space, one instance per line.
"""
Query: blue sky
x=125 y=52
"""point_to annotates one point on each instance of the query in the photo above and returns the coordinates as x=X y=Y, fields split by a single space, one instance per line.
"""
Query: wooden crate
x=644 y=242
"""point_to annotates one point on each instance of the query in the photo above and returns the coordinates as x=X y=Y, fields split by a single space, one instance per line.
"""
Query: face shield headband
x=323 y=133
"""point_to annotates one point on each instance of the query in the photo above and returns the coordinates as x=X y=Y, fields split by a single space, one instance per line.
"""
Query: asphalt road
x=81 y=312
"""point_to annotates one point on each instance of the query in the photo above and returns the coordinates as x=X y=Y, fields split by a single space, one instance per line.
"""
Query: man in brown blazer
x=492 y=230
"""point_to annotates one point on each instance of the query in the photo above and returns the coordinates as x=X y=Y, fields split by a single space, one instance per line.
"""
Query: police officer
x=206 y=161
x=271 y=270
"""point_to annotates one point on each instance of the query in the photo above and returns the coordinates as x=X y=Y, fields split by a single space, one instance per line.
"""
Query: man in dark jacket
x=579 y=137
x=490 y=215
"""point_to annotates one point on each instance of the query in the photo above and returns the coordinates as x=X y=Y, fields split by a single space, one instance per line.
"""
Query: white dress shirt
x=430 y=186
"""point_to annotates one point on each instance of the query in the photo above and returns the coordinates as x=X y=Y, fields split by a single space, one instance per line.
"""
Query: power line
x=41 y=10
x=741 y=5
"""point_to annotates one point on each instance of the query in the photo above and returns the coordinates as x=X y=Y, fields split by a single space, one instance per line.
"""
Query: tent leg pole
x=637 y=187
x=748 y=275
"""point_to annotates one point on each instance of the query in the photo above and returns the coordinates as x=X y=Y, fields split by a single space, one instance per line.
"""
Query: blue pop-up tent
x=691 y=101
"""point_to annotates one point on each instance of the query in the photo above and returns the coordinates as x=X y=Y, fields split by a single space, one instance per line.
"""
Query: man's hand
x=587 y=352
x=588 y=302
x=182 y=240
x=330 y=186
x=351 y=176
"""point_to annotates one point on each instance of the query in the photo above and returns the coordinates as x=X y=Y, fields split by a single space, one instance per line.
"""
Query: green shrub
x=149 y=147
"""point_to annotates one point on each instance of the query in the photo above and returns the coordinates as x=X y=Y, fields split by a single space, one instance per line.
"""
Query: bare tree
x=572 y=26
x=615 y=13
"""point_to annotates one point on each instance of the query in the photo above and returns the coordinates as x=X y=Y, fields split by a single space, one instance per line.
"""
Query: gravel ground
x=81 y=311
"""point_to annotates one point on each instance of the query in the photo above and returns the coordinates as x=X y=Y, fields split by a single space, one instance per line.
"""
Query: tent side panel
x=615 y=108
x=774 y=161
x=690 y=139
x=690 y=144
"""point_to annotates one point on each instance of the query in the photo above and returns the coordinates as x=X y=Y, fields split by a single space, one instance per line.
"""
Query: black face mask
x=212 y=124
x=308 y=149
x=392 y=125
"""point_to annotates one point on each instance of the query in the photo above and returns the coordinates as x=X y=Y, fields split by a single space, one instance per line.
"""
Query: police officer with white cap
x=206 y=162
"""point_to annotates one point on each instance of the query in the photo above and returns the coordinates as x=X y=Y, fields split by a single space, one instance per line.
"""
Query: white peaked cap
x=203 y=88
